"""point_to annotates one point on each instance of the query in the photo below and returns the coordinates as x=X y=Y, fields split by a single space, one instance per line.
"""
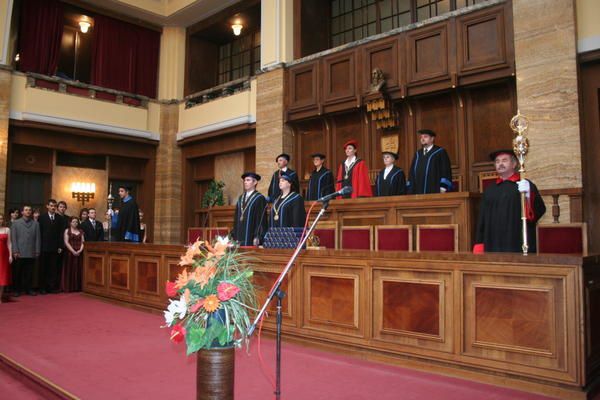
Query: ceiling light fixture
x=237 y=28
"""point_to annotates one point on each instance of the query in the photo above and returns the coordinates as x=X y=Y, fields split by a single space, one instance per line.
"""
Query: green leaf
x=195 y=338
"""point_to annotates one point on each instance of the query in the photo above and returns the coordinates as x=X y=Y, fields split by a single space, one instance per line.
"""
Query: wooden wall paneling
x=335 y=299
x=310 y=138
x=146 y=283
x=31 y=159
x=429 y=65
x=94 y=275
x=462 y=170
x=413 y=308
x=488 y=110
x=303 y=90
x=250 y=159
x=340 y=81
x=265 y=275
x=481 y=41
x=345 y=127
x=512 y=321
x=591 y=305
x=382 y=54
x=439 y=113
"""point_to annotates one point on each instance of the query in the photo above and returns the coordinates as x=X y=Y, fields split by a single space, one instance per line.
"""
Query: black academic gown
x=499 y=227
x=290 y=211
x=128 y=222
x=250 y=220
x=393 y=185
x=320 y=184
x=274 y=190
x=430 y=172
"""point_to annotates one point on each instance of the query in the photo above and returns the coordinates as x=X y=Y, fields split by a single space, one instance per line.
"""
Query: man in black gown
x=250 y=222
x=390 y=180
x=127 y=221
x=499 y=228
x=288 y=209
x=321 y=179
x=430 y=170
x=282 y=161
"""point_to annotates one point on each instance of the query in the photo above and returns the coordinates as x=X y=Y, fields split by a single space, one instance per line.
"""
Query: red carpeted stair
x=98 y=350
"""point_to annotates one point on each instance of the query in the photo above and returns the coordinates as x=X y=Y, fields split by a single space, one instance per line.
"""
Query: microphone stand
x=280 y=294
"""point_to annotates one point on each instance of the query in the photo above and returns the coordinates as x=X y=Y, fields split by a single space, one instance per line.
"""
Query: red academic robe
x=361 y=185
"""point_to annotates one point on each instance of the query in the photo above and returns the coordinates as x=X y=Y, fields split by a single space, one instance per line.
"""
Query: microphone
x=342 y=192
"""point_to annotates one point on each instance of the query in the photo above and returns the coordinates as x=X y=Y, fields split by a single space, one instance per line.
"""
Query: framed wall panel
x=339 y=78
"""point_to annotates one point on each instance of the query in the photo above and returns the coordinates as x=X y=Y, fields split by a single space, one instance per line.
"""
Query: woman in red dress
x=5 y=256
x=73 y=264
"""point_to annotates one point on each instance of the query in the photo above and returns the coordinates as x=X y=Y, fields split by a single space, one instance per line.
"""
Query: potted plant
x=212 y=197
x=209 y=308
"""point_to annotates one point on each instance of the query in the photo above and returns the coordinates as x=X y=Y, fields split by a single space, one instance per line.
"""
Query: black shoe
x=43 y=292
x=32 y=293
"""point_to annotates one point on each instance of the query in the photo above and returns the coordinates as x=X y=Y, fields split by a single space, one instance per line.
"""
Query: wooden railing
x=575 y=203
x=224 y=90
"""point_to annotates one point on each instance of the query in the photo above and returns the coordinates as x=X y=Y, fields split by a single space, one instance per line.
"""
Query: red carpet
x=97 y=350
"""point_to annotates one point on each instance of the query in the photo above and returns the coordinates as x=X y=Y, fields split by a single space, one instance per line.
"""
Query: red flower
x=197 y=306
x=171 y=289
x=226 y=291
x=178 y=334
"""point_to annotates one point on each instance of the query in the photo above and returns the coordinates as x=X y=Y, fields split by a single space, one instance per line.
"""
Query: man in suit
x=52 y=228
x=92 y=229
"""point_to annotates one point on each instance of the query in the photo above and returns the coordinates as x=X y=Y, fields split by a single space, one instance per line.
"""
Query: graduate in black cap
x=250 y=221
x=282 y=161
x=127 y=221
x=500 y=226
x=288 y=209
x=321 y=179
x=390 y=180
x=430 y=170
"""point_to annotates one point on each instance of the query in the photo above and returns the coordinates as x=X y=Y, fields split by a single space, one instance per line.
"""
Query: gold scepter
x=519 y=124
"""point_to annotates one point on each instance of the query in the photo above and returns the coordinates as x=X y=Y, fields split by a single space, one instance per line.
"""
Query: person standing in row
x=26 y=241
x=288 y=209
x=5 y=256
x=390 y=180
x=73 y=267
x=92 y=229
x=282 y=161
x=499 y=228
x=14 y=215
x=321 y=179
x=430 y=170
x=249 y=222
x=52 y=227
x=353 y=172
x=127 y=219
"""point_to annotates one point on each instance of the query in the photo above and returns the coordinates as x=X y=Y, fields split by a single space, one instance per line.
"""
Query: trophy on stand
x=519 y=124
x=110 y=200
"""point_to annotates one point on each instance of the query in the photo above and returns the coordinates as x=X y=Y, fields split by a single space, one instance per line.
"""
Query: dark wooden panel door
x=590 y=140
x=382 y=55
x=303 y=83
x=427 y=55
x=28 y=188
x=311 y=138
x=339 y=78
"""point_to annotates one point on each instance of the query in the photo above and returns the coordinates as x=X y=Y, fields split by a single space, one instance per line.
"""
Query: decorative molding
x=204 y=129
x=74 y=123
x=588 y=44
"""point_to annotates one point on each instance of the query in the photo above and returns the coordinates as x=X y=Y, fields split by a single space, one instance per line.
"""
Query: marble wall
x=229 y=168
x=5 y=84
x=63 y=177
x=547 y=93
x=273 y=137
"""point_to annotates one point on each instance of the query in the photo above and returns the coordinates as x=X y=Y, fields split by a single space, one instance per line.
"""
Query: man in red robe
x=353 y=172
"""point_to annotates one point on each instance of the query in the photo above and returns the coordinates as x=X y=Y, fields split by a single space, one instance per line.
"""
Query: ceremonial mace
x=110 y=199
x=519 y=124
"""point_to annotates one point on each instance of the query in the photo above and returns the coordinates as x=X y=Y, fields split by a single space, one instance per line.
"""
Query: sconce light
x=83 y=192
x=237 y=28
x=84 y=26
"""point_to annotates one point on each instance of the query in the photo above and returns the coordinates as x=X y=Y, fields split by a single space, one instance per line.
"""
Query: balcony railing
x=224 y=90
x=85 y=90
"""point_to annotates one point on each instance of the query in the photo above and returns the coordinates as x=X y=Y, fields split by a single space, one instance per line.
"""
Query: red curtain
x=125 y=56
x=40 y=35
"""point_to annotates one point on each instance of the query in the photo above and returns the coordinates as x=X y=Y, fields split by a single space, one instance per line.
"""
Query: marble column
x=272 y=135
x=167 y=217
x=546 y=71
x=5 y=83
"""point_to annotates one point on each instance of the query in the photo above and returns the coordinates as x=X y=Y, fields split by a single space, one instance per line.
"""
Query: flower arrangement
x=214 y=296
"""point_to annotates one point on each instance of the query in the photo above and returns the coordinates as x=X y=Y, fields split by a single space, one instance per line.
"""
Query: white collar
x=284 y=168
x=428 y=148
x=350 y=161
x=387 y=171
x=248 y=194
